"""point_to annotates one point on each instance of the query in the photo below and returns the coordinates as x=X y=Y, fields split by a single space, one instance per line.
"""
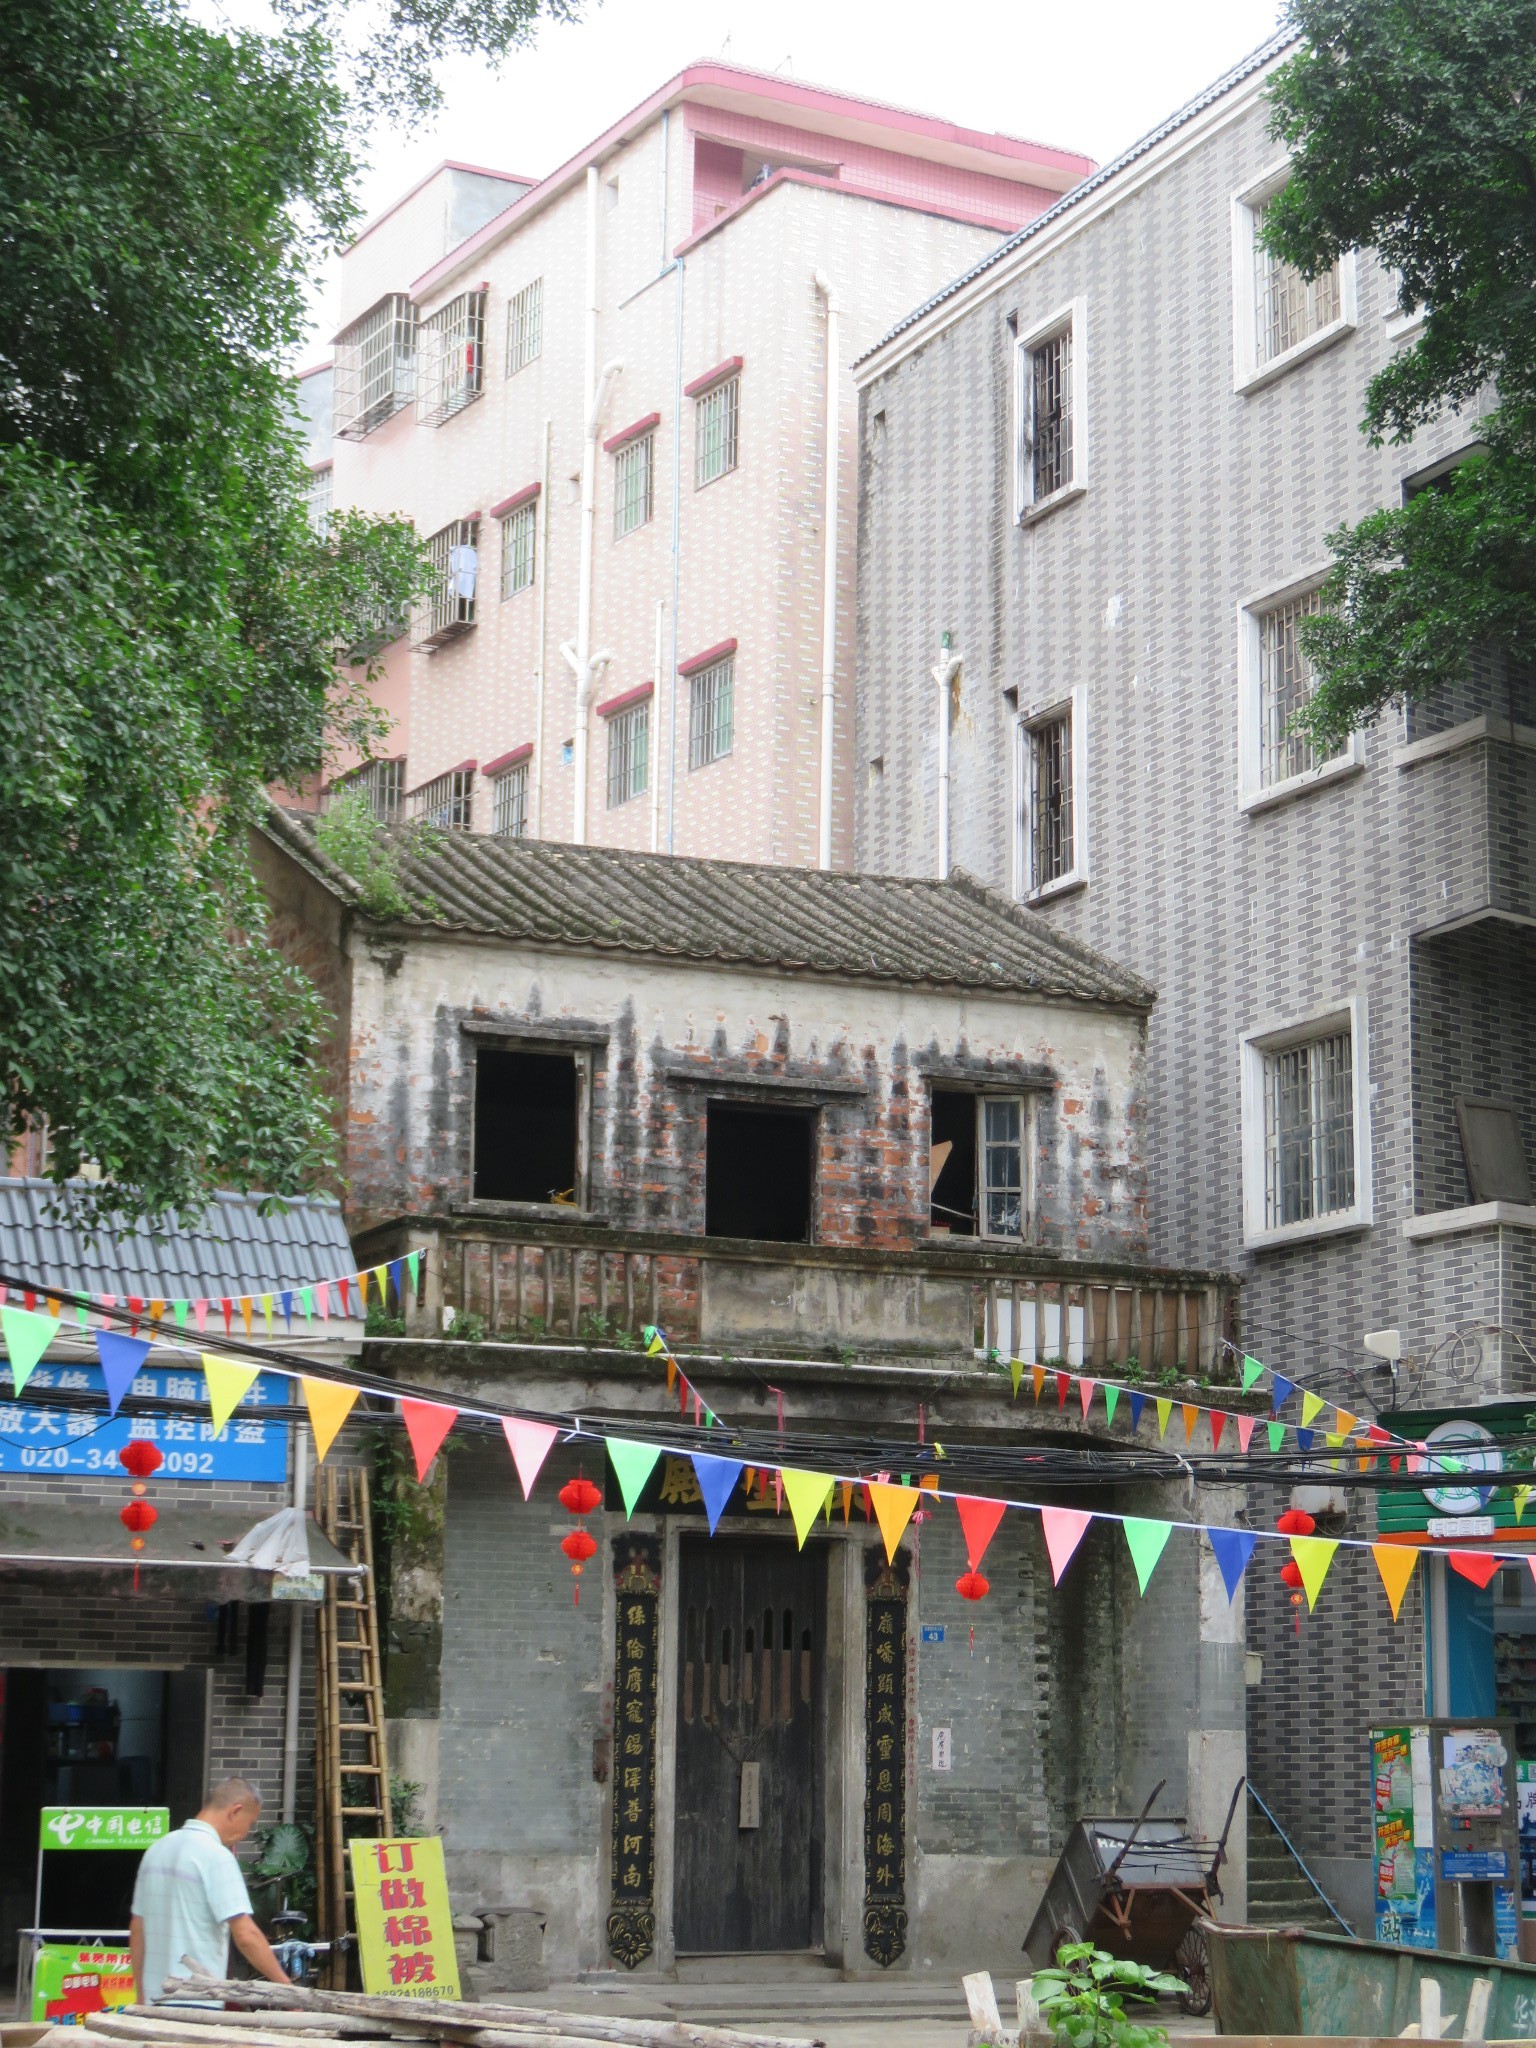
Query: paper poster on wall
x=1525 y=1794
x=1472 y=1774
x=1403 y=1837
x=72 y=1980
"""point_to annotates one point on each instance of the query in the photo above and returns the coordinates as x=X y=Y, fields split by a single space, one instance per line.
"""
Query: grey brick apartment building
x=1097 y=473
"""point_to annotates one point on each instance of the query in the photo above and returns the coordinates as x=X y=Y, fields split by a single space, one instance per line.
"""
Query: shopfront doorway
x=750 y=1746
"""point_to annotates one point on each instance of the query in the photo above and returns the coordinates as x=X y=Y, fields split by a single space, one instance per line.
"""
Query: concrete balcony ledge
x=1470 y=733
x=1475 y=1216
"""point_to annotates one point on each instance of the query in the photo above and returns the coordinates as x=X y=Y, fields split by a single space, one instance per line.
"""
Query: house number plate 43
x=750 y=1814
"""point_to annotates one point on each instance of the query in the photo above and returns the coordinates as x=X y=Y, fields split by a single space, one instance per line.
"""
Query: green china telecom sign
x=103 y=1827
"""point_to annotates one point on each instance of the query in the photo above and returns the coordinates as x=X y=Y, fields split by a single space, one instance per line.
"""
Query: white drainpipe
x=583 y=662
x=542 y=557
x=296 y=1614
x=944 y=675
x=829 y=577
x=653 y=755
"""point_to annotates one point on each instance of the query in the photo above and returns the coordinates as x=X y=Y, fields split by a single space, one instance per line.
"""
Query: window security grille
x=449 y=608
x=375 y=367
x=629 y=749
x=381 y=782
x=320 y=497
x=517 y=546
x=714 y=432
x=1052 y=851
x=1309 y=1130
x=447 y=801
x=452 y=366
x=712 y=713
x=1285 y=685
x=1050 y=416
x=1287 y=307
x=510 y=803
x=1002 y=1174
x=525 y=326
x=633 y=485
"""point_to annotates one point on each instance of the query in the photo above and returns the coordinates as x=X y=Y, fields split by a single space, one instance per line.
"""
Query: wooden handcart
x=1136 y=1888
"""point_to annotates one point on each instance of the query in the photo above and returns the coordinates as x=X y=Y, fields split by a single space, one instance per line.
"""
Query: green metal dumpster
x=1287 y=1980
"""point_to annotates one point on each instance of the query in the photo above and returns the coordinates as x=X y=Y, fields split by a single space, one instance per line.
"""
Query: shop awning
x=87 y=1534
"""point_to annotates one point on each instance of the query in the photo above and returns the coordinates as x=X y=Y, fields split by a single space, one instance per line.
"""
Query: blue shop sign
x=52 y=1440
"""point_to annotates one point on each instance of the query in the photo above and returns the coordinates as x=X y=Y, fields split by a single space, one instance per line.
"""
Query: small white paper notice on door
x=750 y=1814
x=942 y=1750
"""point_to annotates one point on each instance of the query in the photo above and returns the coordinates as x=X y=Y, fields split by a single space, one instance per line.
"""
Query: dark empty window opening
x=952 y=1163
x=526 y=1110
x=758 y=1172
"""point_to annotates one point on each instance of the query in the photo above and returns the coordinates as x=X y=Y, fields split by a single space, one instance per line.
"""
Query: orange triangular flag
x=329 y=1404
x=1191 y=1416
x=1037 y=1374
x=893 y=1511
x=847 y=1500
x=1395 y=1562
x=1345 y=1421
x=671 y=1372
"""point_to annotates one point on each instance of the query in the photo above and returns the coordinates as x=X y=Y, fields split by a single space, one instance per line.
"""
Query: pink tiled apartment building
x=605 y=398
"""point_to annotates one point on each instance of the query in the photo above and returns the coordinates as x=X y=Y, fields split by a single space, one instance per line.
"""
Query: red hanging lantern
x=141 y=1459
x=578 y=1547
x=1296 y=1522
x=580 y=1496
x=1290 y=1573
x=973 y=1586
x=136 y=1517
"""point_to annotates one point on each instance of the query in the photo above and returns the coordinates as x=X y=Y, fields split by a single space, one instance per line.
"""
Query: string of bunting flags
x=313 y=1298
x=889 y=1504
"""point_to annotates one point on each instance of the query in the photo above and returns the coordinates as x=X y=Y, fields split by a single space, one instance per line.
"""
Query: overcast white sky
x=1084 y=74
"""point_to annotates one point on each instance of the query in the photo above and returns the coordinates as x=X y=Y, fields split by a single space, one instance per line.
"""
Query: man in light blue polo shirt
x=190 y=1898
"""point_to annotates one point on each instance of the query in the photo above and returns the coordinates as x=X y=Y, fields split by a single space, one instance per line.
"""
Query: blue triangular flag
x=1138 y=1402
x=120 y=1358
x=717 y=1482
x=397 y=1274
x=1283 y=1390
x=1304 y=1438
x=1233 y=1548
x=287 y=1304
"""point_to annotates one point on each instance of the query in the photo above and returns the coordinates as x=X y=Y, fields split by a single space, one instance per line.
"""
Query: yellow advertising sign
x=404 y=1921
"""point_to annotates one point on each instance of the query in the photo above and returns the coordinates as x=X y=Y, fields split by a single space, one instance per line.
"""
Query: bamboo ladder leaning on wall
x=351 y=1764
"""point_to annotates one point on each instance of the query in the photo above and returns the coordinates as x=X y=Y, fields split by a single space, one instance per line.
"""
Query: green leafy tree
x=1082 y=1999
x=1412 y=131
x=175 y=634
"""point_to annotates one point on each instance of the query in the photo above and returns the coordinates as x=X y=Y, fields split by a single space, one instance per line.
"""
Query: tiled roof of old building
x=887 y=928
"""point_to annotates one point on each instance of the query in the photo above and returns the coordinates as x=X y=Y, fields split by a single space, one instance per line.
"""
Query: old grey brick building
x=1097 y=474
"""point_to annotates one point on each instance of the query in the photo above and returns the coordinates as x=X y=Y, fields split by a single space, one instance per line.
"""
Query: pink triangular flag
x=426 y=1424
x=200 y=1314
x=979 y=1520
x=1085 y=1388
x=529 y=1444
x=1245 y=1425
x=323 y=1299
x=1064 y=1528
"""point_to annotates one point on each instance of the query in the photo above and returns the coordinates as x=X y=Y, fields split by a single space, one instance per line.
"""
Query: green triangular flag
x=179 y=1311
x=1146 y=1541
x=1016 y=1374
x=1111 y=1396
x=412 y=1261
x=633 y=1464
x=805 y=1492
x=1252 y=1369
x=307 y=1302
x=1276 y=1434
x=80 y=1316
x=27 y=1337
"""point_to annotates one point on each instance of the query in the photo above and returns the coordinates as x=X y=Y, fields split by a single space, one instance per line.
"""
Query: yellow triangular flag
x=1313 y=1555
x=329 y=1405
x=1522 y=1496
x=1164 y=1410
x=266 y=1311
x=1395 y=1562
x=805 y=1492
x=229 y=1381
x=1311 y=1404
x=1016 y=1374
x=1346 y=1421
x=1333 y=1438
x=1191 y=1416
x=893 y=1507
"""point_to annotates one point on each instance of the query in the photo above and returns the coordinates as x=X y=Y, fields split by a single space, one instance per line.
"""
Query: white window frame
x=1253 y=1048
x=516 y=557
x=723 y=398
x=706 y=686
x=1025 y=1103
x=1248 y=373
x=629 y=754
x=1025 y=727
x=509 y=802
x=1253 y=793
x=1069 y=319
x=641 y=449
x=525 y=326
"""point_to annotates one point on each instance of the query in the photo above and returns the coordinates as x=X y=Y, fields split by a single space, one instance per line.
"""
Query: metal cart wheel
x=1192 y=1962
x=1067 y=1936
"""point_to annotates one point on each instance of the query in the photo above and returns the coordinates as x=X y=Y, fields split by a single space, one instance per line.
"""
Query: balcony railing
x=586 y=1282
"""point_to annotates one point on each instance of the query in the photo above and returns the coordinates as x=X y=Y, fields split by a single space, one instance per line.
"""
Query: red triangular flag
x=1476 y=1565
x=341 y=1287
x=227 y=1304
x=1063 y=1381
x=426 y=1424
x=979 y=1520
x=1218 y=1424
x=1064 y=1529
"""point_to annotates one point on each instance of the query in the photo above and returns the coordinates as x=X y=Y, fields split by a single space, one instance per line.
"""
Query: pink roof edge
x=791 y=92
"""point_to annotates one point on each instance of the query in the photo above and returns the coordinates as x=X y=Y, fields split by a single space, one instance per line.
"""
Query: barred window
x=714 y=432
x=525 y=326
x=712 y=712
x=447 y=801
x=375 y=367
x=634 y=491
x=320 y=496
x=1309 y=1130
x=1287 y=307
x=381 y=783
x=1286 y=683
x=629 y=750
x=1003 y=1127
x=1052 y=833
x=509 y=803
x=1050 y=415
x=518 y=531
x=452 y=366
x=449 y=606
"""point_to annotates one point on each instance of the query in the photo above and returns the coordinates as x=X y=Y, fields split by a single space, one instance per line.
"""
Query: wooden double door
x=750 y=1746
